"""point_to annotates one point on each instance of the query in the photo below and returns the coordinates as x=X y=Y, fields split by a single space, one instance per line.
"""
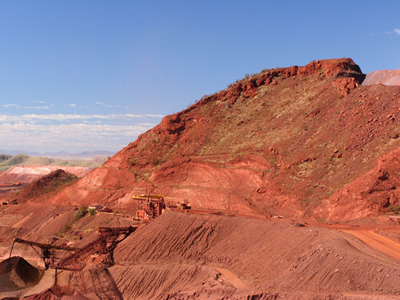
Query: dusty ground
x=215 y=256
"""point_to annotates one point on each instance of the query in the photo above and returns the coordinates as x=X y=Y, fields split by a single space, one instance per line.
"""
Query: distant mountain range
x=62 y=154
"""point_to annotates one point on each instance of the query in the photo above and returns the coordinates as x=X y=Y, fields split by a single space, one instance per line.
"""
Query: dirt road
x=377 y=242
x=371 y=297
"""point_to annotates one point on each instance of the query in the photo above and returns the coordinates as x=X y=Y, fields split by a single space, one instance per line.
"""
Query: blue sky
x=93 y=75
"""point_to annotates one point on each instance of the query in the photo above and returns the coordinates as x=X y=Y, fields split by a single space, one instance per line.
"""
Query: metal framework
x=47 y=254
x=105 y=244
x=104 y=284
x=149 y=206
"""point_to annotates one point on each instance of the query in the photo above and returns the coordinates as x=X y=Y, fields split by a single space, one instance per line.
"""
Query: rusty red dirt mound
x=44 y=187
x=57 y=293
x=16 y=273
x=198 y=255
x=35 y=222
x=276 y=143
x=26 y=174
x=385 y=77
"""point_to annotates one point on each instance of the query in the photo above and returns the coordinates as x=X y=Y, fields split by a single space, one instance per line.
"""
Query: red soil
x=16 y=273
x=208 y=256
x=272 y=257
x=42 y=189
x=57 y=293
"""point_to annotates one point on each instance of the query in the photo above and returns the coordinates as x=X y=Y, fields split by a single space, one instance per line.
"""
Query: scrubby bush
x=81 y=213
x=65 y=228
x=395 y=209
x=4 y=157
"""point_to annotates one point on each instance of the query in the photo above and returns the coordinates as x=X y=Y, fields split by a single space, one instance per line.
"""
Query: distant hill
x=85 y=155
x=47 y=184
x=7 y=161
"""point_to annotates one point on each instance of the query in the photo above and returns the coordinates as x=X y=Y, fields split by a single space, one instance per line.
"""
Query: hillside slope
x=44 y=187
x=188 y=256
x=283 y=141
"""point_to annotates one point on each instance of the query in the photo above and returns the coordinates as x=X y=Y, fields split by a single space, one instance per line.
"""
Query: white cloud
x=36 y=107
x=71 y=117
x=73 y=132
x=107 y=105
x=380 y=33
x=78 y=137
x=72 y=105
x=11 y=105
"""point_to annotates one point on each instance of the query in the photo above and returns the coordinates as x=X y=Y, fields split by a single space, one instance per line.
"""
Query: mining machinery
x=47 y=251
x=105 y=244
x=149 y=206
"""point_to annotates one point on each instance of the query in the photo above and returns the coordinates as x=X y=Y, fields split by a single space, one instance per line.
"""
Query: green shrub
x=81 y=213
x=65 y=228
x=395 y=209
x=4 y=157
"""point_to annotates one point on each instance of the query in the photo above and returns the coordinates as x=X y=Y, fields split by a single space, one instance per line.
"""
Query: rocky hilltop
x=286 y=141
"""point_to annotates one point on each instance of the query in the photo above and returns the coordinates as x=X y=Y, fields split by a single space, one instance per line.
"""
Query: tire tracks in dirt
x=371 y=297
x=377 y=242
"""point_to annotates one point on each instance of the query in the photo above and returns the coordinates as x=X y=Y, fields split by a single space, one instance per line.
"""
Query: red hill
x=285 y=141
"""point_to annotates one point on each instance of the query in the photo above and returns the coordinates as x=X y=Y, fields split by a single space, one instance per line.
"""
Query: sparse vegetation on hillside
x=310 y=130
x=81 y=213
x=4 y=157
x=12 y=161
x=287 y=137
x=49 y=184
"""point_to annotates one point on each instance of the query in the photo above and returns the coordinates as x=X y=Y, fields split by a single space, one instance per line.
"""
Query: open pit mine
x=284 y=185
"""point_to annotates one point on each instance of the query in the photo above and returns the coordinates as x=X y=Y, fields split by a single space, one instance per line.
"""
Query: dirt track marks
x=231 y=278
x=371 y=297
x=378 y=242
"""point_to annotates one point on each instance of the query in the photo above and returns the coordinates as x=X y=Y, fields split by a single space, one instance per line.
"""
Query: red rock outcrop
x=278 y=142
x=376 y=191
